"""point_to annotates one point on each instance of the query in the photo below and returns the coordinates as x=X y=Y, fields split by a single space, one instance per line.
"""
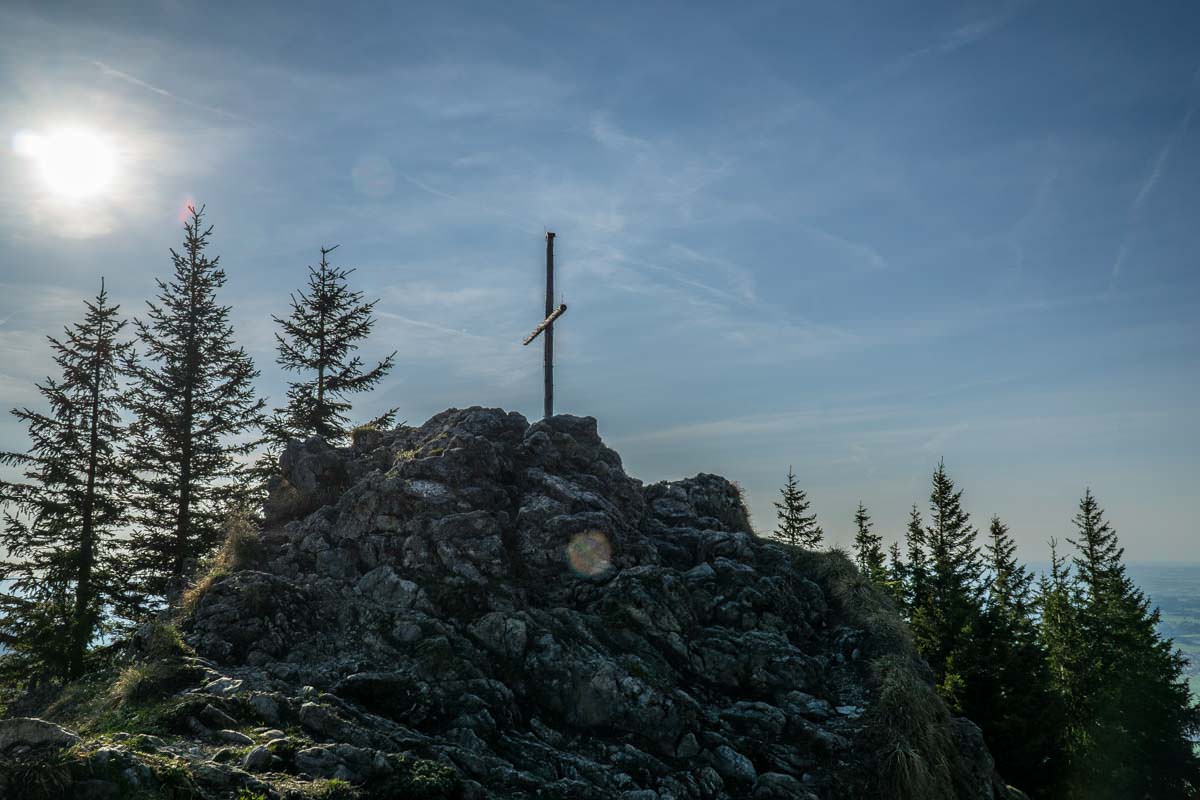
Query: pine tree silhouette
x=59 y=524
x=796 y=527
x=193 y=401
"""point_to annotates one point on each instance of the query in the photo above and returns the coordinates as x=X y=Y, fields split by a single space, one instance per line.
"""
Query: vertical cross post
x=546 y=326
x=549 y=343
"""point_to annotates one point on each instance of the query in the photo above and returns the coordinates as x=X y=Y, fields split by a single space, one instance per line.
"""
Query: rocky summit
x=484 y=608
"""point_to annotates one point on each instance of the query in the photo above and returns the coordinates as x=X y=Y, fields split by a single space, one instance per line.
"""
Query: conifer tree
x=1010 y=582
x=193 y=400
x=1009 y=691
x=868 y=548
x=944 y=618
x=1060 y=631
x=318 y=342
x=797 y=527
x=895 y=577
x=1133 y=719
x=913 y=576
x=58 y=525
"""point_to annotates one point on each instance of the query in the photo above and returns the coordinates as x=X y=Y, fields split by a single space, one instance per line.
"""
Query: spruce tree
x=1010 y=583
x=797 y=527
x=1134 y=718
x=868 y=548
x=318 y=342
x=1060 y=631
x=944 y=619
x=895 y=577
x=59 y=523
x=913 y=576
x=193 y=401
x=1009 y=691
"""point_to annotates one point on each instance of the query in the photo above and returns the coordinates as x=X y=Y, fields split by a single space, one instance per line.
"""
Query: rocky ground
x=483 y=608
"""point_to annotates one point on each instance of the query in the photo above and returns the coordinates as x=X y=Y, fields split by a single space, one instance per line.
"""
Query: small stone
x=280 y=746
x=319 y=720
x=266 y=707
x=211 y=774
x=223 y=686
x=688 y=747
x=733 y=766
x=234 y=737
x=319 y=762
x=214 y=717
x=258 y=759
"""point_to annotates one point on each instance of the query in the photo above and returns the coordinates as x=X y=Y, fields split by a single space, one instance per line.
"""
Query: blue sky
x=854 y=238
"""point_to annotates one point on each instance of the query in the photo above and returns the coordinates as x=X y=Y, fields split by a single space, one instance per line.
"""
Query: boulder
x=29 y=733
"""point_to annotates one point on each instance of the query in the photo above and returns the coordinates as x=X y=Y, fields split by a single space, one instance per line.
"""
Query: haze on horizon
x=852 y=239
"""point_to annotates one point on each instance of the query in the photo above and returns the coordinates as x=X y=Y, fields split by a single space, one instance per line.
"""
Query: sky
x=851 y=238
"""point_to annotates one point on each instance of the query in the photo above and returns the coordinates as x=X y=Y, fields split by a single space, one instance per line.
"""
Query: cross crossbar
x=546 y=323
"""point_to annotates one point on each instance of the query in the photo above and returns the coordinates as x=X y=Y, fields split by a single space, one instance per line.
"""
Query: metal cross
x=547 y=326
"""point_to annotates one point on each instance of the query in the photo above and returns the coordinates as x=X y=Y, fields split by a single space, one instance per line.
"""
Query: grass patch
x=334 y=789
x=909 y=734
x=857 y=599
x=139 y=684
x=241 y=549
x=51 y=775
x=916 y=753
x=160 y=669
x=417 y=779
x=160 y=641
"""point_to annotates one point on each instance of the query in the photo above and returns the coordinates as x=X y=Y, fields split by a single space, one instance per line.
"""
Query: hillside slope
x=483 y=608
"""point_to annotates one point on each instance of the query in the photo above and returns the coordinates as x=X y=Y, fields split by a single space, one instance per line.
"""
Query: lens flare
x=589 y=554
x=185 y=209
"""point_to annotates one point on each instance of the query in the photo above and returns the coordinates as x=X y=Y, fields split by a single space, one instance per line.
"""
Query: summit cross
x=547 y=327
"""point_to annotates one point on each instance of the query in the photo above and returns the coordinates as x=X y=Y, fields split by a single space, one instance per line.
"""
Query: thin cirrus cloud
x=761 y=221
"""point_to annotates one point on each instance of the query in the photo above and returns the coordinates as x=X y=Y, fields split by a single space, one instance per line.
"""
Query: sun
x=74 y=163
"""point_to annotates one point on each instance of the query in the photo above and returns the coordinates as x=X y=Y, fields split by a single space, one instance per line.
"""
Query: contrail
x=456 y=199
x=135 y=81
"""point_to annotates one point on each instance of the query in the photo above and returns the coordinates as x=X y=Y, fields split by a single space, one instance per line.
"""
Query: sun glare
x=74 y=163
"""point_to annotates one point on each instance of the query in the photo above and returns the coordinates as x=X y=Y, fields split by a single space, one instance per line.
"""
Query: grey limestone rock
x=501 y=598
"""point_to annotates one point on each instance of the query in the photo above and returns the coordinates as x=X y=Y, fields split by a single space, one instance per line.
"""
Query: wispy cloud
x=488 y=209
x=975 y=30
x=958 y=38
x=1164 y=155
x=605 y=132
x=739 y=276
x=1157 y=169
x=133 y=80
x=859 y=253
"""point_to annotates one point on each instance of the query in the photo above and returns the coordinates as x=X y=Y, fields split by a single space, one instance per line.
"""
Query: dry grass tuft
x=857 y=599
x=917 y=754
x=241 y=549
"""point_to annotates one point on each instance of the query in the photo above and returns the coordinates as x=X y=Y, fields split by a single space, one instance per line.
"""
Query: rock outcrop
x=483 y=608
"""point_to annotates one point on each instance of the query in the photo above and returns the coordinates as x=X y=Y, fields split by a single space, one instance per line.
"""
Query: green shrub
x=417 y=779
